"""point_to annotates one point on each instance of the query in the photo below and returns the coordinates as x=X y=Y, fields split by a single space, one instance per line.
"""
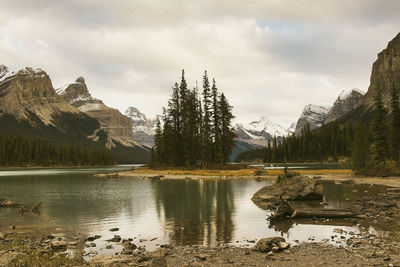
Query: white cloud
x=270 y=57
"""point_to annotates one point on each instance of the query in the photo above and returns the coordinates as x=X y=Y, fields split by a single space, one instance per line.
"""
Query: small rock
x=115 y=229
x=266 y=244
x=202 y=257
x=166 y=246
x=283 y=245
x=116 y=238
x=275 y=249
x=109 y=246
x=12 y=227
x=92 y=245
x=59 y=245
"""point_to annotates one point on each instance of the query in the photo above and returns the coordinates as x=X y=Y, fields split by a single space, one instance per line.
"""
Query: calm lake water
x=179 y=212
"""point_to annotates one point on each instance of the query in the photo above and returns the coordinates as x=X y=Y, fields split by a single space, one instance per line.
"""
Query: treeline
x=370 y=145
x=327 y=144
x=195 y=130
x=20 y=151
x=374 y=146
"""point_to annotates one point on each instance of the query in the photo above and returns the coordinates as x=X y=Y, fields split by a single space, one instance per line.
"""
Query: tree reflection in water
x=196 y=212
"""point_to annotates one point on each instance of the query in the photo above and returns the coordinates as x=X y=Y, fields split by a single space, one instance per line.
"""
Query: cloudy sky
x=270 y=57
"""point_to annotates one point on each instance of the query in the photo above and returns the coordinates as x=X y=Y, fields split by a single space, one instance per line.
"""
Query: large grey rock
x=294 y=188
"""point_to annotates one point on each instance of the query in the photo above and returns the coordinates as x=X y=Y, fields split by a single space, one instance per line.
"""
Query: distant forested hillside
x=20 y=151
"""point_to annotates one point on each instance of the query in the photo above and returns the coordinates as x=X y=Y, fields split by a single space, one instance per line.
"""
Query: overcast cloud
x=269 y=57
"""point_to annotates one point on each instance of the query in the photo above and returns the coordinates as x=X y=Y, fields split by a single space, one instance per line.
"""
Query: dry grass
x=241 y=172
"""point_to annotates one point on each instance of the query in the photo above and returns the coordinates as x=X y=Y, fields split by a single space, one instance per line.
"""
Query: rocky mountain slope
x=30 y=106
x=347 y=101
x=314 y=115
x=117 y=126
x=385 y=73
x=30 y=91
x=143 y=128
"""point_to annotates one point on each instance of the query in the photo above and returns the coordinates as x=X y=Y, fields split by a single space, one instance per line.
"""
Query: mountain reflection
x=196 y=212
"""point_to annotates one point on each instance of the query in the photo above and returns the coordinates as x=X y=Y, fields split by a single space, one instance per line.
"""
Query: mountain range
x=31 y=107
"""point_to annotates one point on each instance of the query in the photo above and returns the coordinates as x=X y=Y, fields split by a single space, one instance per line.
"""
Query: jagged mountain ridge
x=259 y=132
x=347 y=101
x=385 y=73
x=143 y=128
x=312 y=115
x=111 y=120
x=30 y=92
x=29 y=106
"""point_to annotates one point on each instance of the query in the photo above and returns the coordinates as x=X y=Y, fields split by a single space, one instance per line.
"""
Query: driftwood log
x=330 y=214
x=285 y=211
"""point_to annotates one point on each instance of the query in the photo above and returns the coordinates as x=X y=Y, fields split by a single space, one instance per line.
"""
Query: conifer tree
x=360 y=147
x=216 y=125
x=379 y=146
x=395 y=108
x=207 y=106
x=227 y=133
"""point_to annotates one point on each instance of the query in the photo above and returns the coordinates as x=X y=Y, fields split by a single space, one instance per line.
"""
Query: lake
x=204 y=212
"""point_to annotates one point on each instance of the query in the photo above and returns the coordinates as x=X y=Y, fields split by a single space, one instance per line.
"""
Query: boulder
x=298 y=187
x=267 y=244
x=59 y=244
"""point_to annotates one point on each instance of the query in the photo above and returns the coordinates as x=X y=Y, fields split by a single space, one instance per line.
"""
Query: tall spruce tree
x=227 y=132
x=216 y=125
x=379 y=146
x=395 y=108
x=360 y=147
x=207 y=127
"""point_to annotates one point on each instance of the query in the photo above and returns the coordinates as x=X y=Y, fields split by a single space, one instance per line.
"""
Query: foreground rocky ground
x=364 y=249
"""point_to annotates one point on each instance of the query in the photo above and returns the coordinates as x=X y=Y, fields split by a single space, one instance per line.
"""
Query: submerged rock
x=292 y=188
x=4 y=203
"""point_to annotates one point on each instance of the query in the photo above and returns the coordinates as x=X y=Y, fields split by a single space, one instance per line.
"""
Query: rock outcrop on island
x=117 y=126
x=312 y=115
x=143 y=128
x=296 y=187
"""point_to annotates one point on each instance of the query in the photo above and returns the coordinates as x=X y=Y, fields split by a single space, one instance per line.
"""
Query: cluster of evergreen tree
x=20 y=151
x=328 y=143
x=375 y=145
x=195 y=130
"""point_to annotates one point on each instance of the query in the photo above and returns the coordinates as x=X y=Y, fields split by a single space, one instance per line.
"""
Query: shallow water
x=181 y=212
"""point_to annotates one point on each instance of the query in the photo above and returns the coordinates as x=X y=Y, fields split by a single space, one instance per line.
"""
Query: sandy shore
x=387 y=181
x=326 y=175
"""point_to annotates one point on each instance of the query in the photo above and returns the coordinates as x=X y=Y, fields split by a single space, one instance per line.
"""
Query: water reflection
x=196 y=212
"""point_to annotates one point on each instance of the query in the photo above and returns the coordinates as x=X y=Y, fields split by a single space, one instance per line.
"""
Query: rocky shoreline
x=364 y=249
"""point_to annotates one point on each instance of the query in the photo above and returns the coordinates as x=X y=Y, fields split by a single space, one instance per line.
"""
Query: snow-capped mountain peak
x=267 y=126
x=345 y=94
x=143 y=127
